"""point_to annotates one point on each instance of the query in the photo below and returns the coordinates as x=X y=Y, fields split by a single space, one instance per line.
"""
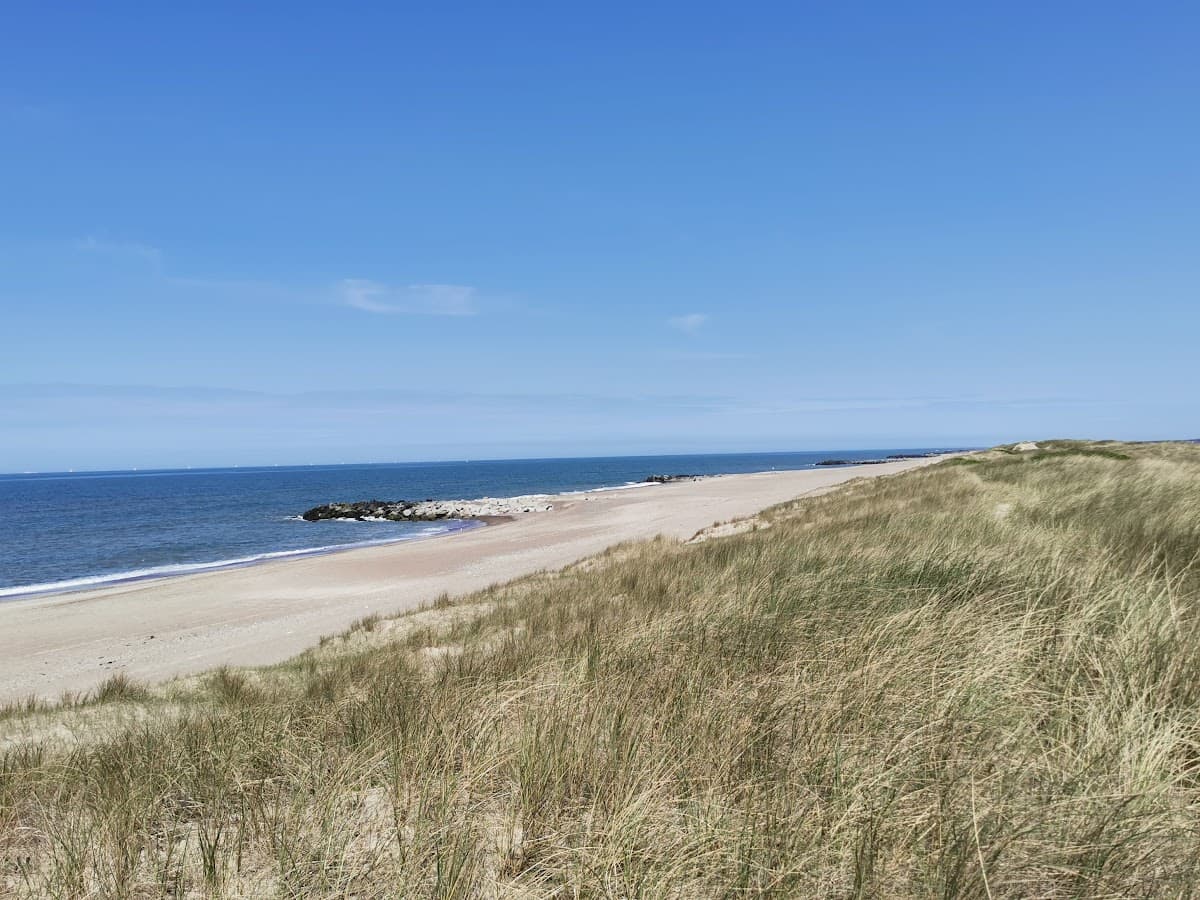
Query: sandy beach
x=160 y=629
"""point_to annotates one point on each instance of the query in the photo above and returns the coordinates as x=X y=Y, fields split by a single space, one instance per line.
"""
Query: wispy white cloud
x=155 y=265
x=409 y=299
x=135 y=249
x=39 y=402
x=32 y=114
x=810 y=405
x=689 y=324
x=359 y=293
x=701 y=356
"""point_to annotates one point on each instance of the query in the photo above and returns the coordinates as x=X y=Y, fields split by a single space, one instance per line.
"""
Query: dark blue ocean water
x=79 y=529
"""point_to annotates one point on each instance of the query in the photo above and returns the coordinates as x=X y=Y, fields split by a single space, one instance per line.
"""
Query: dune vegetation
x=976 y=679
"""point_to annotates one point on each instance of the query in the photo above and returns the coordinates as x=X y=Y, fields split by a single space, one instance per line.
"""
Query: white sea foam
x=627 y=486
x=630 y=485
x=94 y=581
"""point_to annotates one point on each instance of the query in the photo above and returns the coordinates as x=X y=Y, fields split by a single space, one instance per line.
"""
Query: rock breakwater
x=878 y=462
x=851 y=462
x=429 y=510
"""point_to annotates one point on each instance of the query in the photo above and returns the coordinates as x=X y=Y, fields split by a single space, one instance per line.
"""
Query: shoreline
x=99 y=582
x=158 y=628
x=22 y=593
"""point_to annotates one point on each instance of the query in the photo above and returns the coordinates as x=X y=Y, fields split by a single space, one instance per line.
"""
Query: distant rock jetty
x=876 y=462
x=501 y=507
x=429 y=510
x=433 y=510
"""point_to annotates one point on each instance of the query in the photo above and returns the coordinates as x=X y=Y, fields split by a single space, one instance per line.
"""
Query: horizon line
x=163 y=470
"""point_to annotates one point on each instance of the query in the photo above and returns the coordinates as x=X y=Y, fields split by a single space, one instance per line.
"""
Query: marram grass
x=976 y=680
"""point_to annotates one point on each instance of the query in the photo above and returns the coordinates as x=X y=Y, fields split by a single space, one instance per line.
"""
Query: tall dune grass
x=975 y=680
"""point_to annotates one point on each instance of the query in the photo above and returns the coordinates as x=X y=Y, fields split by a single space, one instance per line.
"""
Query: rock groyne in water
x=429 y=510
x=878 y=462
x=433 y=510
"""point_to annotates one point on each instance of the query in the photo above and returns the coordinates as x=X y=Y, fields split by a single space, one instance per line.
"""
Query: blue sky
x=290 y=233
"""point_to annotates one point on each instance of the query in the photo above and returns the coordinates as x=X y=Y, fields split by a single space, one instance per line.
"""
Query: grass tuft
x=1082 y=451
x=118 y=687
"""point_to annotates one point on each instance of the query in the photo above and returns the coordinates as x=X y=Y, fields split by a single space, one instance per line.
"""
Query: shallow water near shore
x=72 y=530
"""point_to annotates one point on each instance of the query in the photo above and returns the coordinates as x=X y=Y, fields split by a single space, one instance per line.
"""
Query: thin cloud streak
x=367 y=295
x=135 y=249
x=412 y=299
x=41 y=399
x=689 y=324
x=702 y=356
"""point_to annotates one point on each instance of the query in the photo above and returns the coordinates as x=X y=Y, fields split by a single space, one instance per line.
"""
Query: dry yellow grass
x=976 y=679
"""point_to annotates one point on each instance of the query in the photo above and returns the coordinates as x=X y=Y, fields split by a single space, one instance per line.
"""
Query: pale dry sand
x=156 y=630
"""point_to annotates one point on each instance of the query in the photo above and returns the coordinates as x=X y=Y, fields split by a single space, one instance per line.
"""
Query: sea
x=71 y=530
